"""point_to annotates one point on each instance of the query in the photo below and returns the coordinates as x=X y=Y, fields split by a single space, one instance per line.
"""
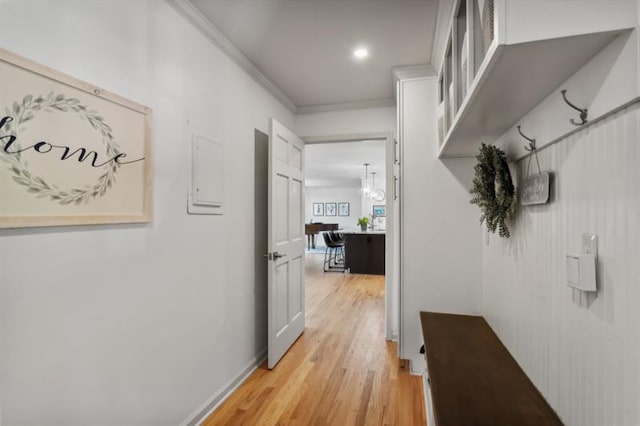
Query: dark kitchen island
x=364 y=252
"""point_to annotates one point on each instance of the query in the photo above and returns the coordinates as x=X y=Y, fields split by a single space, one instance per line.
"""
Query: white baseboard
x=428 y=415
x=391 y=338
x=417 y=370
x=212 y=403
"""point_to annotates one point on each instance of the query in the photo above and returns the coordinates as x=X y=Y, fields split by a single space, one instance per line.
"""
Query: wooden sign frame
x=70 y=153
x=535 y=189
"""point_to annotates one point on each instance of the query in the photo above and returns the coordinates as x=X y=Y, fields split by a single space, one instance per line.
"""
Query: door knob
x=277 y=255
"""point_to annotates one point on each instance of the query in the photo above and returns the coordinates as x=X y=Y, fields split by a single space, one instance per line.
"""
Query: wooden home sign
x=70 y=153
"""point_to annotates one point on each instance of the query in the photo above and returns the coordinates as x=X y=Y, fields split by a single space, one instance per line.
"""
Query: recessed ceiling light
x=361 y=53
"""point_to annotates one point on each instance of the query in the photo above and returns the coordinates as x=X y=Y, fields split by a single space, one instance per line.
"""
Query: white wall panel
x=296 y=297
x=371 y=120
x=441 y=251
x=136 y=324
x=296 y=158
x=282 y=303
x=295 y=221
x=581 y=350
x=282 y=194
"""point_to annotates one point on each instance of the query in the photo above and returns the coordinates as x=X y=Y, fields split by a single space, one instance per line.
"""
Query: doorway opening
x=284 y=281
x=348 y=179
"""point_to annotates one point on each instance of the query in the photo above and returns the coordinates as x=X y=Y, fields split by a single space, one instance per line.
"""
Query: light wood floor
x=341 y=371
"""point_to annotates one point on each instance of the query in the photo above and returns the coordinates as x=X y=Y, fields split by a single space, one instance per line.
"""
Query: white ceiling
x=341 y=164
x=305 y=47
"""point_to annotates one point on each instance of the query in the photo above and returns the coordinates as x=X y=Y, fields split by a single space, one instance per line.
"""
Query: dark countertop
x=365 y=233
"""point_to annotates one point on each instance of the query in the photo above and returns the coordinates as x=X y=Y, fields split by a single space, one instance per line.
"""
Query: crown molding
x=413 y=71
x=189 y=12
x=373 y=103
x=443 y=23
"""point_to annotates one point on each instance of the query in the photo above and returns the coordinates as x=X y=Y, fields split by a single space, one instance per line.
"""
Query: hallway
x=341 y=371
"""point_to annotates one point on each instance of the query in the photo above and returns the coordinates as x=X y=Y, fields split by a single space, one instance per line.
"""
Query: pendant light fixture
x=376 y=194
x=365 y=187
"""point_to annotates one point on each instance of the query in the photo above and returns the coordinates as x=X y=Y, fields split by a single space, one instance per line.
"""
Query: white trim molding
x=212 y=403
x=441 y=31
x=373 y=103
x=189 y=12
x=347 y=137
x=413 y=71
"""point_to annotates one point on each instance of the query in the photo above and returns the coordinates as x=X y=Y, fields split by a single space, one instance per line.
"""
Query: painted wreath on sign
x=25 y=111
x=493 y=189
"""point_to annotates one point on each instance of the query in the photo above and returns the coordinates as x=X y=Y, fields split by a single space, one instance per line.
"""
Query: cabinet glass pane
x=448 y=94
x=462 y=54
x=441 y=124
x=483 y=29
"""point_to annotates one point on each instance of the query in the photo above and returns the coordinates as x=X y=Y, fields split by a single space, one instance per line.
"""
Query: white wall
x=337 y=195
x=136 y=324
x=580 y=350
x=371 y=120
x=441 y=253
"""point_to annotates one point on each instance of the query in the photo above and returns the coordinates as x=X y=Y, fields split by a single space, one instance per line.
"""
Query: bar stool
x=334 y=253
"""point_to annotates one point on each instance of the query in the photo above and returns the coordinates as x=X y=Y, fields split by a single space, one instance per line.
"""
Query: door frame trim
x=391 y=233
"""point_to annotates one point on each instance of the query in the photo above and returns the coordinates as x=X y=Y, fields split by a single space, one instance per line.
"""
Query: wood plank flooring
x=341 y=371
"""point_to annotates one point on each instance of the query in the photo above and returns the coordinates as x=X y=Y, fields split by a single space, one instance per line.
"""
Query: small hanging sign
x=535 y=190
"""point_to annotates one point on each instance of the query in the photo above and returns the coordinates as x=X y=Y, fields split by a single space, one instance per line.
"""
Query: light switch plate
x=590 y=244
x=581 y=267
x=581 y=271
x=573 y=271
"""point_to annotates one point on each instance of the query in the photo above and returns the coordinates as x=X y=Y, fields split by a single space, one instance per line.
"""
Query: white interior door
x=286 y=240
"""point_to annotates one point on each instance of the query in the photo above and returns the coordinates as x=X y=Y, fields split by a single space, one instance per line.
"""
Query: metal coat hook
x=532 y=149
x=583 y=111
x=532 y=142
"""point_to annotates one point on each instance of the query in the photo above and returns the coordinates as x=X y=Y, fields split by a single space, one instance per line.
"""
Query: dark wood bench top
x=474 y=379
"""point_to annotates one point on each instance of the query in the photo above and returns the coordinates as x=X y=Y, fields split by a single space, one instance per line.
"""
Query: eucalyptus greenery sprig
x=493 y=189
x=23 y=112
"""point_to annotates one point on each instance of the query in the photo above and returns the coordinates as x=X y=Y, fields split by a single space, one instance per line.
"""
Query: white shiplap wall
x=581 y=350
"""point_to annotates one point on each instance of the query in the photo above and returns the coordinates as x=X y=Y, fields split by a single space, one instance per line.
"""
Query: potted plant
x=363 y=222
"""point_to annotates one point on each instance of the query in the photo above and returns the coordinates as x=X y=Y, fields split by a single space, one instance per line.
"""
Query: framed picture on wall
x=330 y=209
x=379 y=211
x=318 y=209
x=343 y=209
x=72 y=153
